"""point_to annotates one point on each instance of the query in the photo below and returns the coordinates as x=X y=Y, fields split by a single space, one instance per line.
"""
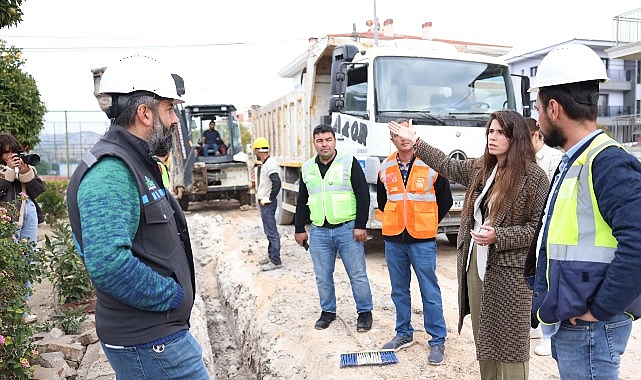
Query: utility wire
x=123 y=47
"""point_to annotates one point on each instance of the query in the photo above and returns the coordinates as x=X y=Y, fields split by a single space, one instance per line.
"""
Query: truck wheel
x=244 y=198
x=451 y=238
x=184 y=202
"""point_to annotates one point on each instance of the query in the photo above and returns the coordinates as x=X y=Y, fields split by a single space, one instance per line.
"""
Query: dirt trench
x=261 y=323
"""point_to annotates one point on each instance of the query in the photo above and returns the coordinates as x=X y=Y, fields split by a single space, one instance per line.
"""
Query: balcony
x=627 y=38
x=619 y=81
x=614 y=111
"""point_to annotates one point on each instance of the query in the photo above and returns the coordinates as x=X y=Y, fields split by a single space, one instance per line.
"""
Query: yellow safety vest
x=580 y=244
x=330 y=197
x=595 y=240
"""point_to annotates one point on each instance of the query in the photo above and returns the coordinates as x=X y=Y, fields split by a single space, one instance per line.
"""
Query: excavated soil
x=261 y=324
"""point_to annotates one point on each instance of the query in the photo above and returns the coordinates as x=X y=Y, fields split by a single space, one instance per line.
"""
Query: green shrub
x=67 y=271
x=53 y=206
x=70 y=319
x=52 y=200
x=19 y=261
x=58 y=185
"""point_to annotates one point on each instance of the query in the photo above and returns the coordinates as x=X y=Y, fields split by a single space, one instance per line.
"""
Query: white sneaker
x=264 y=260
x=536 y=333
x=30 y=318
x=544 y=348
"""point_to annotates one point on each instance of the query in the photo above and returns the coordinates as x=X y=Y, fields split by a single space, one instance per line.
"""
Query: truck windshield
x=441 y=87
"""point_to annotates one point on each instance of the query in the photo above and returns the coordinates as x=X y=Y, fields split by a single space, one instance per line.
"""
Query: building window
x=604 y=110
x=606 y=62
x=533 y=71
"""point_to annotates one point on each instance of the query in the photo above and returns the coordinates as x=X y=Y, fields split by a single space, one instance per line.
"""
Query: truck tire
x=184 y=202
x=451 y=238
x=244 y=198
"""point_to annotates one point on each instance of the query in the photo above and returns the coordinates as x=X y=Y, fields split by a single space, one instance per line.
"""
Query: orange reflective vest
x=413 y=206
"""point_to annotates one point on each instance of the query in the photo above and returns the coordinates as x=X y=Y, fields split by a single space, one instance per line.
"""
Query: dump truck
x=194 y=177
x=357 y=86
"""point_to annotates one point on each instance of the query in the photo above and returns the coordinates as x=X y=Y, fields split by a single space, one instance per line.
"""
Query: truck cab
x=357 y=87
x=221 y=174
x=448 y=95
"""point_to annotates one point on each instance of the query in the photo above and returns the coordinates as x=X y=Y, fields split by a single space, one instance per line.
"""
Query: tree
x=10 y=13
x=21 y=110
x=245 y=135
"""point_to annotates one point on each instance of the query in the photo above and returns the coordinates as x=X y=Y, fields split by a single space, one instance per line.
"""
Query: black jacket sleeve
x=275 y=178
x=381 y=194
x=443 y=196
x=302 y=210
x=361 y=190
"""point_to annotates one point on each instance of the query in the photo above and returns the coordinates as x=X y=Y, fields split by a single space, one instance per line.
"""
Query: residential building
x=620 y=98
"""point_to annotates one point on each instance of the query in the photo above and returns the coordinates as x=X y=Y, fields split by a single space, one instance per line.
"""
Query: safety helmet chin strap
x=118 y=103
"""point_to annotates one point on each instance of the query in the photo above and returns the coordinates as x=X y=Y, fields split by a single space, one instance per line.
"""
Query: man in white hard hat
x=268 y=188
x=132 y=235
x=586 y=277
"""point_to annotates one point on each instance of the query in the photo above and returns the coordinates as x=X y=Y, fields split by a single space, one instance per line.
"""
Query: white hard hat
x=139 y=73
x=569 y=63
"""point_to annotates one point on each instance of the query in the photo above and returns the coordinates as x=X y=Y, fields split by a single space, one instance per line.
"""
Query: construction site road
x=261 y=324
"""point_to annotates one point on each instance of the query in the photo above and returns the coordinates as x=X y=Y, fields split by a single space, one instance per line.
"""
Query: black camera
x=29 y=159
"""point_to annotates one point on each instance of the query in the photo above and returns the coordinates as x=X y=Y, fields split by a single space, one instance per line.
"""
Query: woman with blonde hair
x=506 y=191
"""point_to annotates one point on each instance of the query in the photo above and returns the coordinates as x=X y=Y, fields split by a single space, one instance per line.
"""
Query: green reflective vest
x=164 y=174
x=330 y=197
x=595 y=241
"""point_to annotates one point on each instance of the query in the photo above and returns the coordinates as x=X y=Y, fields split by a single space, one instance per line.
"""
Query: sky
x=231 y=51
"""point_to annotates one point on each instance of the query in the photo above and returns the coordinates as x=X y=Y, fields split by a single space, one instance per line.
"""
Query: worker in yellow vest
x=334 y=195
x=414 y=199
x=586 y=277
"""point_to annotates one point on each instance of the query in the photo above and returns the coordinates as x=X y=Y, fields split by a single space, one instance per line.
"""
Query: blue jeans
x=422 y=257
x=29 y=228
x=267 y=215
x=28 y=231
x=324 y=244
x=179 y=359
x=591 y=350
x=206 y=147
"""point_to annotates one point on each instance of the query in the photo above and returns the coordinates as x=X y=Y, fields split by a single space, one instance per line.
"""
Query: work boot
x=325 y=319
x=364 y=322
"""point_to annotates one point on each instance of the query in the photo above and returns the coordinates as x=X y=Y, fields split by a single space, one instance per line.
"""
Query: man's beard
x=161 y=140
x=553 y=136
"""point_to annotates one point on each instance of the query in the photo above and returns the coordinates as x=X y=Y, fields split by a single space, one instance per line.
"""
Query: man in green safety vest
x=334 y=195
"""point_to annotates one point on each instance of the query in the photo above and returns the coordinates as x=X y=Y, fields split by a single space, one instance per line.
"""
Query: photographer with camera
x=20 y=185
